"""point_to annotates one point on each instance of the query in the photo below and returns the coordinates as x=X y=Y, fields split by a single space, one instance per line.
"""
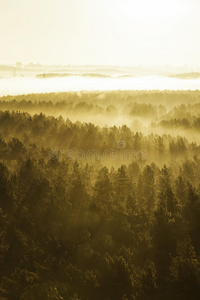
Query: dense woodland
x=85 y=228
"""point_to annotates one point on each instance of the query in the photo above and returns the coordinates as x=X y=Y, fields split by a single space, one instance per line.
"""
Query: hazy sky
x=110 y=32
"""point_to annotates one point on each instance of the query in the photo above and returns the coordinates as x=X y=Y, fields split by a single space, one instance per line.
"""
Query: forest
x=100 y=196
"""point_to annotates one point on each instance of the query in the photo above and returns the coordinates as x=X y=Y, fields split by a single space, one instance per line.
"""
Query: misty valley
x=100 y=195
x=99 y=150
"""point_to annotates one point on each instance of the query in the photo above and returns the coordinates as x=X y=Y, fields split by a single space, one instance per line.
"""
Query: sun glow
x=145 y=9
x=106 y=32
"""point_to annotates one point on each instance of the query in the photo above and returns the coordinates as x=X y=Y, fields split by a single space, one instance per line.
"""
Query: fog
x=26 y=85
x=93 y=185
x=99 y=150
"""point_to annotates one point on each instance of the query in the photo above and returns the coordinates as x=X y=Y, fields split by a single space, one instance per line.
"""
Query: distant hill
x=50 y=75
x=192 y=75
x=6 y=68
